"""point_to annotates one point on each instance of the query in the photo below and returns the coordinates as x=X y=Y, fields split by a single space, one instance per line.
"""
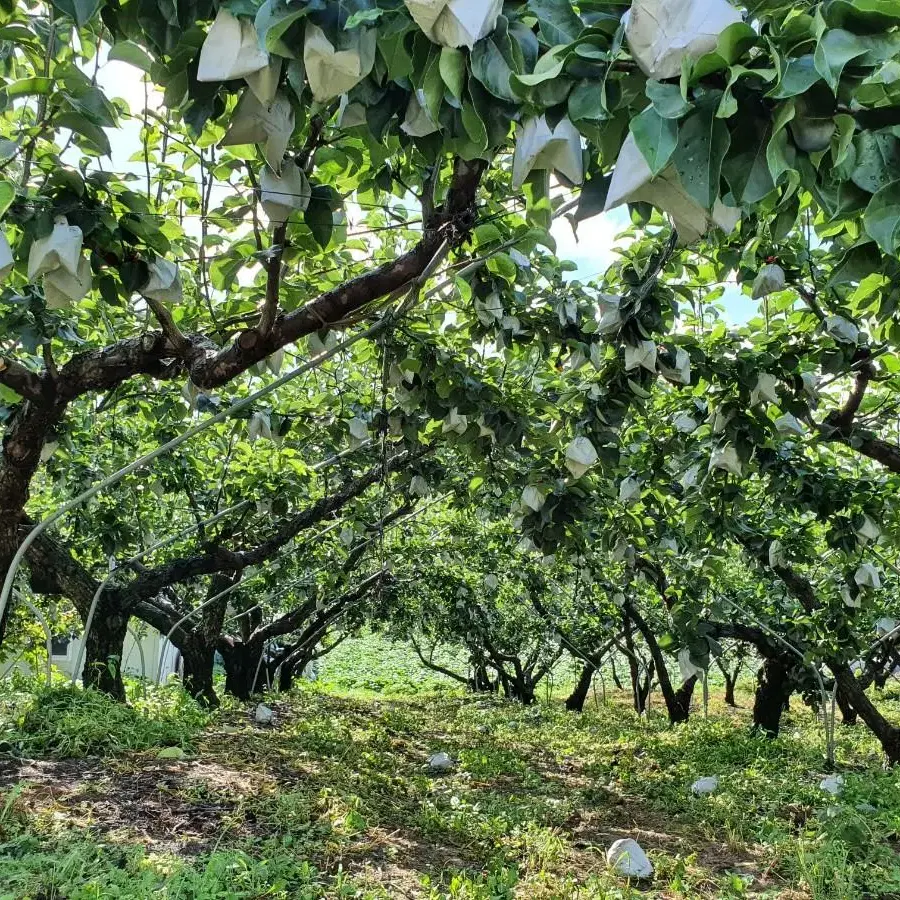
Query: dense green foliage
x=307 y=254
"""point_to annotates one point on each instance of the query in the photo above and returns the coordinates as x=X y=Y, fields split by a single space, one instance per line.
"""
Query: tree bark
x=241 y=662
x=286 y=677
x=199 y=659
x=575 y=700
x=730 y=684
x=849 y=716
x=615 y=675
x=774 y=687
x=888 y=735
x=675 y=705
x=683 y=697
x=103 y=652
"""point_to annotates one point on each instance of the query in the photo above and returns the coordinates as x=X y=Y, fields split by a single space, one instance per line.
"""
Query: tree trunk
x=241 y=662
x=849 y=716
x=887 y=734
x=286 y=677
x=615 y=675
x=683 y=697
x=677 y=709
x=633 y=669
x=199 y=659
x=103 y=652
x=480 y=682
x=774 y=687
x=730 y=684
x=575 y=701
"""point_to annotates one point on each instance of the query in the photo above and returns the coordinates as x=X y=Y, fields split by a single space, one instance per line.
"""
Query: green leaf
x=592 y=199
x=877 y=161
x=491 y=68
x=845 y=128
x=557 y=21
x=798 y=77
x=835 y=49
x=655 y=137
x=586 y=102
x=272 y=22
x=7 y=195
x=781 y=154
x=29 y=86
x=473 y=125
x=94 y=134
x=363 y=17
x=319 y=218
x=453 y=70
x=735 y=41
x=882 y=218
x=131 y=53
x=81 y=11
x=863 y=16
x=548 y=67
x=433 y=85
x=746 y=169
x=703 y=141
x=667 y=99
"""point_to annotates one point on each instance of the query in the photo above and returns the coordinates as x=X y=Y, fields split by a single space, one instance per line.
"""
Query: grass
x=336 y=801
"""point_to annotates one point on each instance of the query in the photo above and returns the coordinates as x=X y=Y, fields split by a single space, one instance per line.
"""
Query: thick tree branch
x=21 y=379
x=219 y=559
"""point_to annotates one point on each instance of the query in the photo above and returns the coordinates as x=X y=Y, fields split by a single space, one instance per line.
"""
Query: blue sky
x=594 y=251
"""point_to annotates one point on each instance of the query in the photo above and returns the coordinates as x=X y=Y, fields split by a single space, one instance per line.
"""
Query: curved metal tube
x=258 y=667
x=137 y=642
x=168 y=447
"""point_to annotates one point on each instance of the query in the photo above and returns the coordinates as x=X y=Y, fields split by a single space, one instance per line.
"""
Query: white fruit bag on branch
x=332 y=72
x=61 y=289
x=455 y=23
x=7 y=260
x=580 y=456
x=540 y=147
x=231 y=50
x=286 y=194
x=164 y=283
x=271 y=126
x=662 y=33
x=59 y=249
x=633 y=182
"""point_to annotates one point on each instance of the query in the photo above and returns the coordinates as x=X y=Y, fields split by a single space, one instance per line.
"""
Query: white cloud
x=593 y=250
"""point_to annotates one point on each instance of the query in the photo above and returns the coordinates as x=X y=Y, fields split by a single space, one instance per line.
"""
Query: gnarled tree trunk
x=849 y=716
x=888 y=735
x=774 y=688
x=683 y=697
x=243 y=671
x=199 y=658
x=575 y=700
x=103 y=652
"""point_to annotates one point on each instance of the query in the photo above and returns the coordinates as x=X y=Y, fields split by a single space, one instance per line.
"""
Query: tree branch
x=219 y=559
x=179 y=342
x=23 y=381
